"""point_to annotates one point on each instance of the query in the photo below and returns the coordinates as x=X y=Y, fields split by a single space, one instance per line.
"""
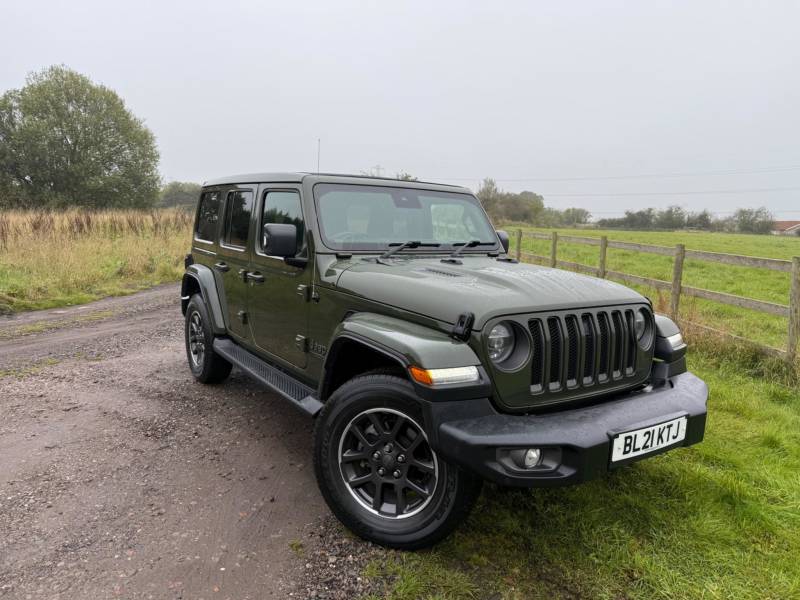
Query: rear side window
x=238 y=207
x=207 y=217
x=283 y=207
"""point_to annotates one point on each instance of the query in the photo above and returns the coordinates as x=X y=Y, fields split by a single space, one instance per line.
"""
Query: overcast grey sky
x=538 y=95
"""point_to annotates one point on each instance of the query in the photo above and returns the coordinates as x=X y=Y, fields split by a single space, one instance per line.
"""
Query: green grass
x=49 y=260
x=717 y=520
x=760 y=284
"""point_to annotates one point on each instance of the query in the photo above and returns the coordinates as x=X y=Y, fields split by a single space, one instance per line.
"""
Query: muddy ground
x=120 y=477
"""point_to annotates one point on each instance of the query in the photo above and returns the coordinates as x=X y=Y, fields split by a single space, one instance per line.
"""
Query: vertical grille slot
x=630 y=355
x=590 y=348
x=537 y=367
x=573 y=347
x=604 y=370
x=556 y=353
x=619 y=344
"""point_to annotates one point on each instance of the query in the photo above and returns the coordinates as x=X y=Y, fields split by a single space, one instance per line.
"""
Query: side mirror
x=503 y=235
x=279 y=239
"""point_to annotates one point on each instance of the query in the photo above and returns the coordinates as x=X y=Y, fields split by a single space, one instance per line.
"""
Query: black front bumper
x=576 y=442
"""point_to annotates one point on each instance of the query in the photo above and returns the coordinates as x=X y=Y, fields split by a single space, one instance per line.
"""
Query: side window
x=207 y=217
x=238 y=207
x=284 y=208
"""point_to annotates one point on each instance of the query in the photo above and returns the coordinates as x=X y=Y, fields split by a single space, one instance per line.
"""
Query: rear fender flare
x=200 y=277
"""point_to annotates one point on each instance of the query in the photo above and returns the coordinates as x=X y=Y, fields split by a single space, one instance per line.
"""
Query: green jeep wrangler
x=390 y=311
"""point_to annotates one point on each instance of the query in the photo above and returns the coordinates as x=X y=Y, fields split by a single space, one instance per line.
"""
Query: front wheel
x=206 y=365
x=377 y=470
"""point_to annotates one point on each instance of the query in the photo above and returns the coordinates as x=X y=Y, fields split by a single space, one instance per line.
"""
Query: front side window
x=283 y=207
x=238 y=208
x=207 y=217
x=356 y=217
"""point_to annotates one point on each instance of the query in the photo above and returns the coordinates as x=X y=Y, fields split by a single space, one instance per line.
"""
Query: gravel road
x=120 y=477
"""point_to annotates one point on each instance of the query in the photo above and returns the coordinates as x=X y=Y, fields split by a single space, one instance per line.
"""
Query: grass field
x=761 y=284
x=718 y=520
x=58 y=259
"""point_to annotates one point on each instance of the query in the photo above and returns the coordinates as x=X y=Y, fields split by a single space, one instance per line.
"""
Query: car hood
x=480 y=285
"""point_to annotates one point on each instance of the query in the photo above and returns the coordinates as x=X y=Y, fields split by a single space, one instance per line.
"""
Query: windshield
x=360 y=217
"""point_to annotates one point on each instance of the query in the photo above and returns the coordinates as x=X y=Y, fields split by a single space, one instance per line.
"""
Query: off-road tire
x=454 y=491
x=209 y=367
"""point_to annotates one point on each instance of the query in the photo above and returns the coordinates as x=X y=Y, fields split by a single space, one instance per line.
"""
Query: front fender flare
x=410 y=344
x=203 y=277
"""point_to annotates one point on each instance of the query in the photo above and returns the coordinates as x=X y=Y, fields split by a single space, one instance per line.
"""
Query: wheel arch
x=198 y=279
x=364 y=342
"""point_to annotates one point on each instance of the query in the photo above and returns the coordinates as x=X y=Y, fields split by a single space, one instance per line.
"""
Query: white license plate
x=648 y=439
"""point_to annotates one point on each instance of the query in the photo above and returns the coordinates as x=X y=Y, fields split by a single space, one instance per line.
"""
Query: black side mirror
x=279 y=239
x=503 y=235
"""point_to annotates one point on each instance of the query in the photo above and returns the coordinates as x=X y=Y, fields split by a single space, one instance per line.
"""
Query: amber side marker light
x=444 y=376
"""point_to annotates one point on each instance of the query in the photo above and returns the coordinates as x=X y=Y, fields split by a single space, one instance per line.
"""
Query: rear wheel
x=377 y=470
x=206 y=365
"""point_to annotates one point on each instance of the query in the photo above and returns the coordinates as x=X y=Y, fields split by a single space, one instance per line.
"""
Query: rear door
x=277 y=299
x=233 y=257
x=206 y=228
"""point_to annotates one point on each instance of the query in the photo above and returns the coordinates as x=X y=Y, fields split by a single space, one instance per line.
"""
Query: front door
x=278 y=305
x=233 y=258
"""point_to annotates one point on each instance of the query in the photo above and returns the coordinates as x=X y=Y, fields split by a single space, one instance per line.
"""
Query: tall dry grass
x=52 y=259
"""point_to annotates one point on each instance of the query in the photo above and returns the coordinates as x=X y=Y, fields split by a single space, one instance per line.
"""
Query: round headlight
x=500 y=342
x=639 y=324
x=643 y=328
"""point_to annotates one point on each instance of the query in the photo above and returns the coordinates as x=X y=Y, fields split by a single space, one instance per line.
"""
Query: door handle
x=221 y=266
x=255 y=277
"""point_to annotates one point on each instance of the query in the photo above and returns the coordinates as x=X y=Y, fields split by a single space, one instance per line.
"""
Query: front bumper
x=576 y=442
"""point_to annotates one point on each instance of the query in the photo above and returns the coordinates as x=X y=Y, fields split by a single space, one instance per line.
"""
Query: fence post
x=677 y=277
x=554 y=249
x=794 y=313
x=603 y=252
x=519 y=245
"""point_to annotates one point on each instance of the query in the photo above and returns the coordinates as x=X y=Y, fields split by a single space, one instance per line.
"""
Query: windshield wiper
x=399 y=247
x=453 y=258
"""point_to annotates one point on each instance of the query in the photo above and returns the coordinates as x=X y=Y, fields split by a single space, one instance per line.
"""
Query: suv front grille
x=582 y=350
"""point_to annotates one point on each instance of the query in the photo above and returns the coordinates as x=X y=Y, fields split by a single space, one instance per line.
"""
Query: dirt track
x=120 y=477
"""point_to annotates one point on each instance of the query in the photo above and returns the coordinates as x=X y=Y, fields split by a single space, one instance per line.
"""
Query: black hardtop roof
x=299 y=177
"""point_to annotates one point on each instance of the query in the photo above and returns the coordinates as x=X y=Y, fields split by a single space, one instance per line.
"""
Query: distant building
x=786 y=228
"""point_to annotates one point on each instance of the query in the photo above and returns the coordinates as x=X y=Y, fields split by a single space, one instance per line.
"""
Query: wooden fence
x=676 y=288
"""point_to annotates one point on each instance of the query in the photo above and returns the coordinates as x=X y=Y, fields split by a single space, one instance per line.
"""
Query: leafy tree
x=754 y=220
x=179 y=193
x=701 y=220
x=489 y=196
x=67 y=141
x=575 y=216
x=404 y=176
x=672 y=217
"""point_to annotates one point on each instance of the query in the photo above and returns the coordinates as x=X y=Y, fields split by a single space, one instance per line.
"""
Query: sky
x=606 y=105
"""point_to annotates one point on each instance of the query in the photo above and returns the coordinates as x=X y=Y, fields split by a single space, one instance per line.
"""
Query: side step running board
x=299 y=394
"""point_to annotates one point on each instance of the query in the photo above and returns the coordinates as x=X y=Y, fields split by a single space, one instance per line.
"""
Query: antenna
x=319 y=148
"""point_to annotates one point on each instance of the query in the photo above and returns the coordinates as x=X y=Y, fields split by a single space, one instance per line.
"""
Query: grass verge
x=49 y=260
x=717 y=520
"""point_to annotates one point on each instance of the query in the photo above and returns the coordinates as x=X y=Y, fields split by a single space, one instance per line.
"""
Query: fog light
x=532 y=457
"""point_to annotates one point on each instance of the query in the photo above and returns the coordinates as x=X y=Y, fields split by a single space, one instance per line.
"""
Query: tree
x=701 y=220
x=575 y=216
x=67 y=141
x=753 y=220
x=404 y=176
x=489 y=196
x=179 y=193
x=672 y=217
